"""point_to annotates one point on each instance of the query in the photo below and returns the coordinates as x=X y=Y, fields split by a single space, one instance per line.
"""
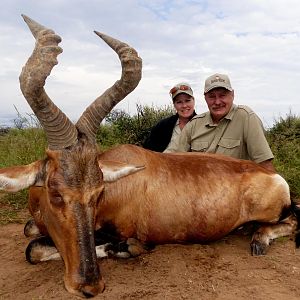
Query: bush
x=121 y=128
x=284 y=139
x=24 y=146
x=28 y=121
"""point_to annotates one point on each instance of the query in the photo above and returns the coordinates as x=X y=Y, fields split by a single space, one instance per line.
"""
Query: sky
x=255 y=42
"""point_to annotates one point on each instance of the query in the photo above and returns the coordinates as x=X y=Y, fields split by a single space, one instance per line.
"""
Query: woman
x=169 y=129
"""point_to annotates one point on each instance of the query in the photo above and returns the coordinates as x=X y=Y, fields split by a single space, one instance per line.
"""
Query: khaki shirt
x=175 y=136
x=239 y=134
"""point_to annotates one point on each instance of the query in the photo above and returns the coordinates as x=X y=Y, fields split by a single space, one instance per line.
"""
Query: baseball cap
x=180 y=88
x=217 y=80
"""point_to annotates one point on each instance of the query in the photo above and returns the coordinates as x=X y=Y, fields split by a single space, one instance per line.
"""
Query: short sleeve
x=257 y=144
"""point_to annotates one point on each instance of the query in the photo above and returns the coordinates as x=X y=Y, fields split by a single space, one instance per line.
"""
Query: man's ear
x=114 y=170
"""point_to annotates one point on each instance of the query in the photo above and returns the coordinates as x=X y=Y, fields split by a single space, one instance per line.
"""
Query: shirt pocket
x=198 y=146
x=230 y=147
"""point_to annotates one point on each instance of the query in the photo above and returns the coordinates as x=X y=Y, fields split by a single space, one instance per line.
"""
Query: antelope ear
x=114 y=170
x=14 y=179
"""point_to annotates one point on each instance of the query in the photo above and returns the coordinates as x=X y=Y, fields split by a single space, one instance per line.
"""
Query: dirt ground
x=220 y=270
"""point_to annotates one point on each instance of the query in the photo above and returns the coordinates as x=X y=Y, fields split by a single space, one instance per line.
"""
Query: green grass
x=19 y=147
x=24 y=146
x=12 y=208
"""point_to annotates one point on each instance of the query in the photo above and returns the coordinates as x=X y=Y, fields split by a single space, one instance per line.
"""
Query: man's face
x=219 y=102
x=184 y=105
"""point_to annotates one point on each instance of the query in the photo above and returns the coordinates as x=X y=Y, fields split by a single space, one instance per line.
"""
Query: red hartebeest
x=137 y=194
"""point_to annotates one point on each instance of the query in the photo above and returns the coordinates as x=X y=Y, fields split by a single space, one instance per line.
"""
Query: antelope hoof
x=120 y=250
x=135 y=247
x=30 y=229
x=41 y=249
x=258 y=248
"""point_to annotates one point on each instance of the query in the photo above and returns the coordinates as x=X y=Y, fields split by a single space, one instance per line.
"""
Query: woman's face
x=184 y=105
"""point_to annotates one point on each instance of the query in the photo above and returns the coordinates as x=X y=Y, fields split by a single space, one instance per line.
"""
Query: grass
x=24 y=146
x=12 y=209
x=19 y=147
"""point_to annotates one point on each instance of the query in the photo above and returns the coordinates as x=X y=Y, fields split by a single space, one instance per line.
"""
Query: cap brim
x=182 y=92
x=218 y=86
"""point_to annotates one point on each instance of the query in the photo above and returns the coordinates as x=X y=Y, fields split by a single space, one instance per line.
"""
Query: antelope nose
x=87 y=294
x=90 y=291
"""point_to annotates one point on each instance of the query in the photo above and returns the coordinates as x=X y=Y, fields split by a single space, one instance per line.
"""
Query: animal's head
x=70 y=178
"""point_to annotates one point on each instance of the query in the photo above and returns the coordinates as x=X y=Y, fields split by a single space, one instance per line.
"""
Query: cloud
x=255 y=42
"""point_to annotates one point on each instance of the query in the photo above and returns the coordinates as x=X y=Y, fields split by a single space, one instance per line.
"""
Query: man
x=167 y=130
x=229 y=129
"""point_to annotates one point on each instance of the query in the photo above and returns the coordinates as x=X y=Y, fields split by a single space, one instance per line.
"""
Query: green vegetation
x=27 y=143
x=121 y=128
x=19 y=147
x=284 y=139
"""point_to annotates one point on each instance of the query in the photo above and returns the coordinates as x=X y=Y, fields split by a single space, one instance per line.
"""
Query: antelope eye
x=56 y=199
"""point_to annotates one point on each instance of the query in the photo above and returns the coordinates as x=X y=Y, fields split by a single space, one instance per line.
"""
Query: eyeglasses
x=180 y=88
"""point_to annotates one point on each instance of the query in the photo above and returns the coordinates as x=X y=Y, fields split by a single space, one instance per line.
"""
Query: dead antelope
x=128 y=192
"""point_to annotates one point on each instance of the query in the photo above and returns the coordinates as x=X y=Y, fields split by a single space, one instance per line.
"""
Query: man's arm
x=257 y=144
x=268 y=164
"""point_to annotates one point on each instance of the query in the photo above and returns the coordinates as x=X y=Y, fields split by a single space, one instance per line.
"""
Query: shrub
x=25 y=145
x=121 y=128
x=284 y=139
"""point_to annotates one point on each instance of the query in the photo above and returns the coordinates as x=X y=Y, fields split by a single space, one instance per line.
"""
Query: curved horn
x=90 y=120
x=61 y=132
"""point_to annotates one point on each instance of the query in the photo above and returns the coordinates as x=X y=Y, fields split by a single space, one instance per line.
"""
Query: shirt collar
x=231 y=113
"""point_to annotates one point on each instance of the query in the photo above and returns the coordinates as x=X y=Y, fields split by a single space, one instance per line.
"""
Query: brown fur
x=178 y=197
x=187 y=197
x=175 y=198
